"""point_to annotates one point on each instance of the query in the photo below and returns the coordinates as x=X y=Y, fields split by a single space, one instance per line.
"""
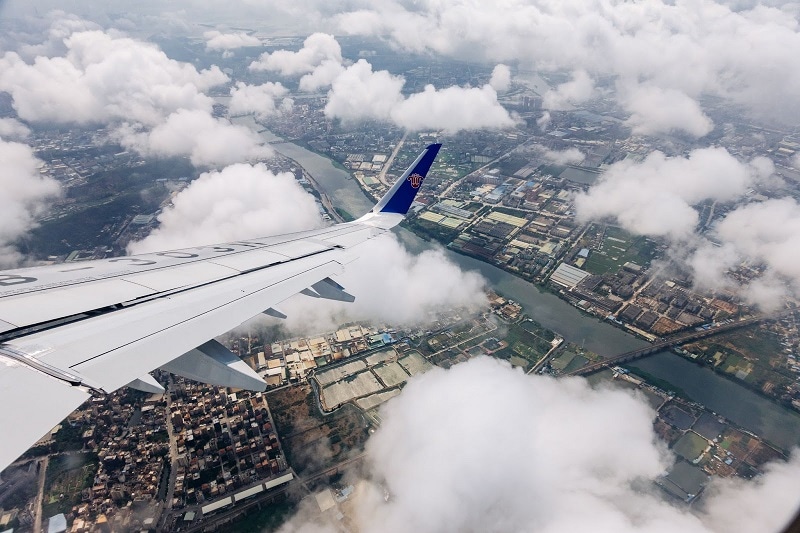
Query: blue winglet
x=399 y=198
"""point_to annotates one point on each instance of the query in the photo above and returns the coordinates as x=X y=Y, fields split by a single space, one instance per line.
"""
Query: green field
x=524 y=344
x=618 y=248
x=67 y=475
x=754 y=350
x=690 y=446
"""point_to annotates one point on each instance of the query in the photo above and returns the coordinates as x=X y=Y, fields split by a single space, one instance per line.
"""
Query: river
x=749 y=410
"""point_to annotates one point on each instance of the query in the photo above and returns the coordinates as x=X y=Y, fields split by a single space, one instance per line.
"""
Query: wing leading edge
x=70 y=331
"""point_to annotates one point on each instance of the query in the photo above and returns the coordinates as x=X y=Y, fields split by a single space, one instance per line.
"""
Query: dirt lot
x=313 y=442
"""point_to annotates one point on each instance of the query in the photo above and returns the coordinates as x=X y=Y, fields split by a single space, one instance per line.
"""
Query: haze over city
x=613 y=175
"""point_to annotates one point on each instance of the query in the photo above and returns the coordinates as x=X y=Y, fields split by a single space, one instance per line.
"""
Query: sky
x=662 y=62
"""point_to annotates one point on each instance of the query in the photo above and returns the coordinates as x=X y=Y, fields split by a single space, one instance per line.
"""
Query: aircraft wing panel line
x=40 y=279
x=104 y=324
x=230 y=303
x=155 y=349
x=39 y=307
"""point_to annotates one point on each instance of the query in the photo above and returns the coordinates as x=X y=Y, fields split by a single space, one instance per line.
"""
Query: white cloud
x=259 y=99
x=240 y=201
x=11 y=128
x=748 y=59
x=417 y=286
x=26 y=194
x=358 y=93
x=103 y=78
x=216 y=40
x=317 y=48
x=501 y=78
x=765 y=233
x=655 y=110
x=655 y=197
x=543 y=122
x=570 y=156
x=154 y=104
x=576 y=91
x=452 y=109
x=323 y=75
x=208 y=141
x=484 y=447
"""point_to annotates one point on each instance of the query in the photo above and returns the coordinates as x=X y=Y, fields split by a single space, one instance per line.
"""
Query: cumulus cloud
x=416 y=285
x=102 y=78
x=452 y=109
x=570 y=156
x=748 y=59
x=322 y=76
x=585 y=462
x=26 y=194
x=216 y=40
x=576 y=91
x=655 y=110
x=154 y=104
x=761 y=234
x=543 y=122
x=655 y=197
x=208 y=141
x=501 y=78
x=11 y=128
x=259 y=99
x=360 y=93
x=316 y=49
x=240 y=201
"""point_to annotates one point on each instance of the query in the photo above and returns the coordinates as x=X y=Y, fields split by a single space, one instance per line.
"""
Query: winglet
x=399 y=198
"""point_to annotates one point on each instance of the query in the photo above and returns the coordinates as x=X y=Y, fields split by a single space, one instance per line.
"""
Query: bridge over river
x=670 y=342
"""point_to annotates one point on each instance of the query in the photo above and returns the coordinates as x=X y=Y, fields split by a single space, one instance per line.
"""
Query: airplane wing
x=72 y=330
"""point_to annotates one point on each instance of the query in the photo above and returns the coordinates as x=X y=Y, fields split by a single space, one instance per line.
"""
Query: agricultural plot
x=619 y=247
x=415 y=364
x=335 y=374
x=677 y=417
x=562 y=360
x=381 y=357
x=709 y=426
x=391 y=374
x=375 y=400
x=690 y=446
x=355 y=386
x=527 y=344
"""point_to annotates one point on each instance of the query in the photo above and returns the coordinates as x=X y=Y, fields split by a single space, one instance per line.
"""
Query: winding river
x=749 y=410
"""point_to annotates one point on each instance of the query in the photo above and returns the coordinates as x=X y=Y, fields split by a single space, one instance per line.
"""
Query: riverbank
x=742 y=406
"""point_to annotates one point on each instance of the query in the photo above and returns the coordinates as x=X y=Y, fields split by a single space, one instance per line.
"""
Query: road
x=37 y=522
x=221 y=517
x=388 y=164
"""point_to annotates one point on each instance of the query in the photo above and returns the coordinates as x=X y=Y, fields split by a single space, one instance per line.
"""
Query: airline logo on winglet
x=399 y=197
x=416 y=180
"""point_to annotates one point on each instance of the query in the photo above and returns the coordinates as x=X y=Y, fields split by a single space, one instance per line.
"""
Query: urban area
x=203 y=458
